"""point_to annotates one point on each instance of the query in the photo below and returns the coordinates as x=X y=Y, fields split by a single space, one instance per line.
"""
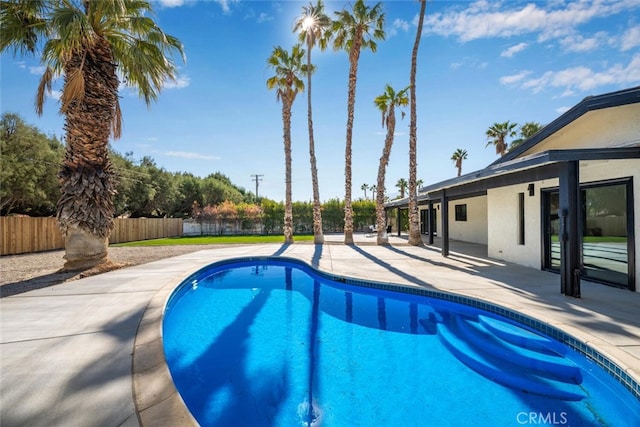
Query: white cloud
x=179 y=83
x=398 y=24
x=55 y=94
x=515 y=78
x=190 y=155
x=171 y=3
x=484 y=19
x=630 y=39
x=578 y=43
x=264 y=17
x=38 y=70
x=579 y=78
x=562 y=110
x=508 y=53
x=225 y=4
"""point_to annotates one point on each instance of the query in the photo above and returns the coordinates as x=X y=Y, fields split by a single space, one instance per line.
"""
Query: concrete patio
x=89 y=352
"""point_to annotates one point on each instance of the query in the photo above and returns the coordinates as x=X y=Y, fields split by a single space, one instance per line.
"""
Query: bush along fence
x=28 y=234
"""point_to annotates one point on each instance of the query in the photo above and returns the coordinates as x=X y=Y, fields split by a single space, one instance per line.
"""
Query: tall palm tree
x=498 y=134
x=312 y=26
x=527 y=130
x=94 y=45
x=354 y=31
x=414 y=219
x=387 y=103
x=287 y=82
x=364 y=187
x=458 y=156
x=402 y=185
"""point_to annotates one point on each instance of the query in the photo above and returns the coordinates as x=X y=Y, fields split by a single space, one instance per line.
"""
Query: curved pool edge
x=156 y=398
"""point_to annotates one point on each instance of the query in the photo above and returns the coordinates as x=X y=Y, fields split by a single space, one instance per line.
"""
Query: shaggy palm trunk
x=318 y=237
x=414 y=220
x=85 y=210
x=288 y=206
x=354 y=55
x=381 y=223
x=459 y=166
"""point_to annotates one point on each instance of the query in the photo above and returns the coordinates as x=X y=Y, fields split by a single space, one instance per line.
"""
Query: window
x=461 y=212
x=521 y=218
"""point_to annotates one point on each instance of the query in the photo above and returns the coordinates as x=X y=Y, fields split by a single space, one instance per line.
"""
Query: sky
x=480 y=62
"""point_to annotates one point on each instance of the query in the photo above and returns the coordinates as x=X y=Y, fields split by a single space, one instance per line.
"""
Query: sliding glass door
x=606 y=219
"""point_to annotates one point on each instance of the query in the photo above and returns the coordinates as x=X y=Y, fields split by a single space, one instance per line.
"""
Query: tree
x=414 y=220
x=312 y=26
x=402 y=185
x=91 y=44
x=386 y=103
x=353 y=32
x=458 y=156
x=527 y=130
x=287 y=83
x=364 y=187
x=28 y=183
x=498 y=134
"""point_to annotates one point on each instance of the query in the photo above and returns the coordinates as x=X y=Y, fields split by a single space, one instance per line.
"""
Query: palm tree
x=527 y=130
x=387 y=103
x=402 y=185
x=414 y=219
x=364 y=187
x=373 y=189
x=287 y=84
x=312 y=25
x=498 y=133
x=353 y=32
x=93 y=45
x=458 y=156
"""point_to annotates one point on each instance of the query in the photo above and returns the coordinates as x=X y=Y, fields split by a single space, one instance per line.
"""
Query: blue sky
x=479 y=63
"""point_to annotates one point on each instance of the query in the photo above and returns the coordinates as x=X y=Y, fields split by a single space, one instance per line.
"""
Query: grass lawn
x=212 y=240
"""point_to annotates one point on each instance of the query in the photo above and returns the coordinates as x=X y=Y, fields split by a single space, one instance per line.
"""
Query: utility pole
x=257 y=178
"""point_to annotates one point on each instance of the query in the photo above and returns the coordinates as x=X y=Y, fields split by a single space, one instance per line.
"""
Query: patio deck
x=71 y=354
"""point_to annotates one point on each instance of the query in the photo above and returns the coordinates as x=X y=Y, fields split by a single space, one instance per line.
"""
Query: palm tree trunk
x=288 y=207
x=318 y=237
x=381 y=223
x=354 y=56
x=85 y=209
x=414 y=220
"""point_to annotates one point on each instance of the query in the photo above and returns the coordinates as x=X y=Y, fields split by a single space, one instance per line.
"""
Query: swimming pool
x=272 y=342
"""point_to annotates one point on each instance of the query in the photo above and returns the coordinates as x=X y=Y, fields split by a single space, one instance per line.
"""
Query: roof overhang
x=536 y=167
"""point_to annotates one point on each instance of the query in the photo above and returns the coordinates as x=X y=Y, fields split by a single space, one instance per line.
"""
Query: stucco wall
x=503 y=224
x=474 y=229
x=609 y=127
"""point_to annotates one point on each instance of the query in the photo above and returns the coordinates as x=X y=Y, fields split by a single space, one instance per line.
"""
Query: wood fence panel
x=26 y=234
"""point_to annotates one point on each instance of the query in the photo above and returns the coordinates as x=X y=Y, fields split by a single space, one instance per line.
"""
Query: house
x=564 y=200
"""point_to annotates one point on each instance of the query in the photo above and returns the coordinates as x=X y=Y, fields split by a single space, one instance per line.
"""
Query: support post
x=399 y=222
x=444 y=212
x=570 y=236
x=430 y=222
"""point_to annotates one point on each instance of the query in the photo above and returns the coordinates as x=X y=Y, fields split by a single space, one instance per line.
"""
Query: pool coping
x=157 y=400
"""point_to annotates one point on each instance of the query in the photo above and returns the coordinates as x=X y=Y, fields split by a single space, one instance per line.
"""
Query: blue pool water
x=274 y=343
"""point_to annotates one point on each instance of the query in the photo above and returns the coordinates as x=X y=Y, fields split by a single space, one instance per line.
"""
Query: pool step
x=520 y=336
x=510 y=365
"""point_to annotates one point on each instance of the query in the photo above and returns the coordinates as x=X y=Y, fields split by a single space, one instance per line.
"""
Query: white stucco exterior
x=503 y=225
x=474 y=229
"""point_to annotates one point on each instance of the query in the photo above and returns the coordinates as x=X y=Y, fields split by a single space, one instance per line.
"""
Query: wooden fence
x=25 y=234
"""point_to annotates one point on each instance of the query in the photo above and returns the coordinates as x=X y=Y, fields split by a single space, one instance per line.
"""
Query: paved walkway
x=66 y=351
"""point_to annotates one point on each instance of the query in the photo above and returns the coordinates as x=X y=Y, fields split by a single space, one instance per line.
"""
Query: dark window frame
x=461 y=212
